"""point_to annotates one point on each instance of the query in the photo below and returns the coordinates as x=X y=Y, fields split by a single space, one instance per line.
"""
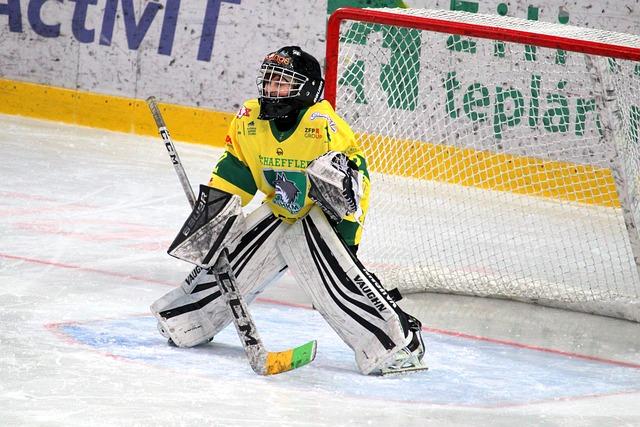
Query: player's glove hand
x=336 y=185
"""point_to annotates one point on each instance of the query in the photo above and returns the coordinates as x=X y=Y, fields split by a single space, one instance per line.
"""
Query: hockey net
x=504 y=154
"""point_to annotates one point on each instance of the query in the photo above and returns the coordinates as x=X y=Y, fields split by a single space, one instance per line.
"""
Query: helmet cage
x=281 y=76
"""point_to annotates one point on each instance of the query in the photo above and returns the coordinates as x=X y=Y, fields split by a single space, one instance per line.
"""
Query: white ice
x=86 y=217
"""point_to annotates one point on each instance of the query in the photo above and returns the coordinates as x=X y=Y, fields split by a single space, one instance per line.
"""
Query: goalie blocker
x=350 y=299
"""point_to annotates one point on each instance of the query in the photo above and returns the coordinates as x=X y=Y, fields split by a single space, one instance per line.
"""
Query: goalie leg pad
x=186 y=314
x=348 y=297
x=194 y=312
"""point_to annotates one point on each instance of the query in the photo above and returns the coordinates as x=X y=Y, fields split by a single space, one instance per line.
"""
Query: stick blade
x=283 y=361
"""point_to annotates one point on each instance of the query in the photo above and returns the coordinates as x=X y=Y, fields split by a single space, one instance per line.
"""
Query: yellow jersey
x=260 y=157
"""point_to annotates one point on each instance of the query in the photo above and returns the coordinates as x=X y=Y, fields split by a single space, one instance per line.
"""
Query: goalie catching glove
x=336 y=185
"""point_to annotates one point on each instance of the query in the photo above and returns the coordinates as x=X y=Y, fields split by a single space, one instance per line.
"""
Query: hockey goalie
x=294 y=148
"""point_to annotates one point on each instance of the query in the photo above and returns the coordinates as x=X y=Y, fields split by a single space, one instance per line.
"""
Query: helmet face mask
x=289 y=80
x=277 y=82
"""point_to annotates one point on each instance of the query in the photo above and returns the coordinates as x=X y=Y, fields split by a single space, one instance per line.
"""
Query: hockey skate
x=408 y=359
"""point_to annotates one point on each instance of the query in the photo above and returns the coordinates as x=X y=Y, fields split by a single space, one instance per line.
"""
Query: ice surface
x=85 y=219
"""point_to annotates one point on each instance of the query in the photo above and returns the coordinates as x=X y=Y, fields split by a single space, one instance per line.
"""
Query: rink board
x=463 y=371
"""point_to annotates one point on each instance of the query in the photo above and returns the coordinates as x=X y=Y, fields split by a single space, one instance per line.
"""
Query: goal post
x=504 y=154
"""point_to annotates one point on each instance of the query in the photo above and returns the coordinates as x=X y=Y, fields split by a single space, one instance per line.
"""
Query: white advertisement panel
x=205 y=53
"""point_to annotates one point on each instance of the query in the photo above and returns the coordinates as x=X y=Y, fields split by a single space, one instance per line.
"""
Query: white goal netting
x=498 y=168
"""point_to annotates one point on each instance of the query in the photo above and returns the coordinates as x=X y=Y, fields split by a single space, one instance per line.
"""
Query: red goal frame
x=459 y=28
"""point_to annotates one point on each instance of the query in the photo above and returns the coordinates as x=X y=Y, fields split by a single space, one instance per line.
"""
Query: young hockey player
x=292 y=146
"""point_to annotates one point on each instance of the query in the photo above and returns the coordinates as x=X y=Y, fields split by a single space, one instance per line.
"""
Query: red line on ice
x=88 y=269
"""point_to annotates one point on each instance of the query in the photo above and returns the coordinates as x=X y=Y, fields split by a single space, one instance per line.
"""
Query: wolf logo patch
x=290 y=188
x=286 y=193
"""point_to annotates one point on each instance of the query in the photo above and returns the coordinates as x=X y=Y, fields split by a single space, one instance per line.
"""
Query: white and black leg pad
x=216 y=222
x=187 y=314
x=194 y=312
x=350 y=299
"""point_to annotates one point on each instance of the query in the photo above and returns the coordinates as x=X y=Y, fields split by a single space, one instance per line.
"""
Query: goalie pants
x=348 y=297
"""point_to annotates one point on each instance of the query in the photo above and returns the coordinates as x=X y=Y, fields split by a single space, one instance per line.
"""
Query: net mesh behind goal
x=498 y=168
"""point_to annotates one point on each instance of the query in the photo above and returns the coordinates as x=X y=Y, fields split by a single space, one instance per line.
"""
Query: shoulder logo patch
x=243 y=112
x=330 y=121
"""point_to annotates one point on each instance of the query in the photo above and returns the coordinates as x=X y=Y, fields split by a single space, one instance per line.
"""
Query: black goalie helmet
x=290 y=79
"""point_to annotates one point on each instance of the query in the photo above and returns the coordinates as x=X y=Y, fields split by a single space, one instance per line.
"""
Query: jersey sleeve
x=344 y=140
x=232 y=173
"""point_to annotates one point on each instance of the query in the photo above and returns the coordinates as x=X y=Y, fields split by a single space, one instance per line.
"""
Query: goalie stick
x=262 y=361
